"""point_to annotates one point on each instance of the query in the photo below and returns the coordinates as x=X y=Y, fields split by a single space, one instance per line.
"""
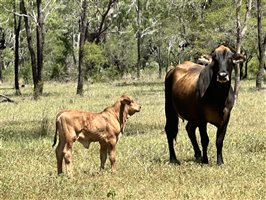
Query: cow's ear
x=125 y=99
x=238 y=58
x=204 y=80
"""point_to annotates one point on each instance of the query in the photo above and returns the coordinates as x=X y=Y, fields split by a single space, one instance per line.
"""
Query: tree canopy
x=121 y=35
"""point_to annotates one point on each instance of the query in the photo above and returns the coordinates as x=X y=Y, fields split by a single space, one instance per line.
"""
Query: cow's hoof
x=205 y=161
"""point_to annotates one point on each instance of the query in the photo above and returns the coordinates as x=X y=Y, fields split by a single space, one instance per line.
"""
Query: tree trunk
x=138 y=39
x=1 y=65
x=245 y=75
x=241 y=31
x=83 y=29
x=30 y=45
x=38 y=88
x=16 y=48
x=261 y=45
x=139 y=54
x=2 y=47
x=160 y=62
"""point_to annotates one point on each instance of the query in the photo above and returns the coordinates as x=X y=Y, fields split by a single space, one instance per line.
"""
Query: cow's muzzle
x=223 y=77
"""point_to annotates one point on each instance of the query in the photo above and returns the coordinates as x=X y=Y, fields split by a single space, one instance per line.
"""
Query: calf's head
x=130 y=105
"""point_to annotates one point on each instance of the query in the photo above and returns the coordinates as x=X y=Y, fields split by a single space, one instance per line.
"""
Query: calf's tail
x=55 y=135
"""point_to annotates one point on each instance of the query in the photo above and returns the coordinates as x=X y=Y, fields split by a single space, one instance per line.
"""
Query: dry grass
x=28 y=165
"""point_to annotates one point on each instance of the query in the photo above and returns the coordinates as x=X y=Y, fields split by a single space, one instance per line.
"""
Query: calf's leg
x=68 y=158
x=103 y=154
x=59 y=156
x=112 y=156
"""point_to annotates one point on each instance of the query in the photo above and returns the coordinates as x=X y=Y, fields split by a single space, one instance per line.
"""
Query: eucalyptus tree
x=17 y=26
x=2 y=47
x=39 y=18
x=82 y=30
x=241 y=29
x=101 y=17
x=13 y=24
x=261 y=45
x=145 y=23
x=93 y=28
x=4 y=23
x=120 y=46
x=62 y=41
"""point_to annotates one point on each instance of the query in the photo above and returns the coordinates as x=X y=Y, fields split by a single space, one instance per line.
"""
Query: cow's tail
x=171 y=126
x=56 y=131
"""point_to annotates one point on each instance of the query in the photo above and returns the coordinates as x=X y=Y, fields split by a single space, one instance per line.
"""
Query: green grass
x=28 y=164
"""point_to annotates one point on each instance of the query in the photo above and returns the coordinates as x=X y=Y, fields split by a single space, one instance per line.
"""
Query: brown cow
x=86 y=127
x=200 y=94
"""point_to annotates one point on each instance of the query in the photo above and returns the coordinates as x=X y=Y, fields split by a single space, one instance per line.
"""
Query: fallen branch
x=6 y=98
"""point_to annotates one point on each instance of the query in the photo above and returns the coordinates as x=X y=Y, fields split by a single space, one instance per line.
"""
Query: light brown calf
x=87 y=127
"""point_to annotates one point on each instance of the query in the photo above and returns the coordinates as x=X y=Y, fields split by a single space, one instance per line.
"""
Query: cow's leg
x=59 y=155
x=68 y=158
x=103 y=154
x=171 y=129
x=191 y=130
x=111 y=153
x=171 y=126
x=204 y=142
x=219 y=143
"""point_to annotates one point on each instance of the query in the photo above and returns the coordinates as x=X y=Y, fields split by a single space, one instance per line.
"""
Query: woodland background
x=52 y=50
x=103 y=40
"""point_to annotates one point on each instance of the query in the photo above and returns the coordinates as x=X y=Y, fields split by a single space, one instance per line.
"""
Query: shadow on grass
x=139 y=128
x=29 y=94
x=139 y=83
x=30 y=130
x=254 y=89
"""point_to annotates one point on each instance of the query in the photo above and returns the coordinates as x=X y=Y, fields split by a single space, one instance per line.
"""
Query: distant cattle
x=200 y=94
x=204 y=59
x=86 y=127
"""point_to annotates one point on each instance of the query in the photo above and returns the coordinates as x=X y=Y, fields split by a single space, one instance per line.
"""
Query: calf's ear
x=125 y=99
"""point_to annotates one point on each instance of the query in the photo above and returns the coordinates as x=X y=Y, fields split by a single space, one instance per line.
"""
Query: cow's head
x=223 y=60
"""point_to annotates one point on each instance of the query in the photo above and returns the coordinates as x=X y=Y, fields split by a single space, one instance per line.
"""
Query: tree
x=38 y=88
x=104 y=10
x=83 y=30
x=240 y=33
x=37 y=57
x=144 y=24
x=261 y=45
x=139 y=36
x=17 y=26
x=2 y=47
x=30 y=47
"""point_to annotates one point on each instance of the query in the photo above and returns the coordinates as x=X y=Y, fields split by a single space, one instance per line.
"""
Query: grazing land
x=28 y=163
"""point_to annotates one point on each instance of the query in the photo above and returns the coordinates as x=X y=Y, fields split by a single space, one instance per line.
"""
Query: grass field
x=28 y=164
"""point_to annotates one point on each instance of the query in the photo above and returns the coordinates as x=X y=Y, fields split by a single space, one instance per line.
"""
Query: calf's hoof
x=219 y=163
x=175 y=161
x=220 y=160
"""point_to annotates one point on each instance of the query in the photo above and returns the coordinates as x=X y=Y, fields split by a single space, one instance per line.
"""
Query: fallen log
x=6 y=99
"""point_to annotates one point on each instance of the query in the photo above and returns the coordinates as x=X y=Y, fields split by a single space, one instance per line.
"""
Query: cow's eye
x=213 y=54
